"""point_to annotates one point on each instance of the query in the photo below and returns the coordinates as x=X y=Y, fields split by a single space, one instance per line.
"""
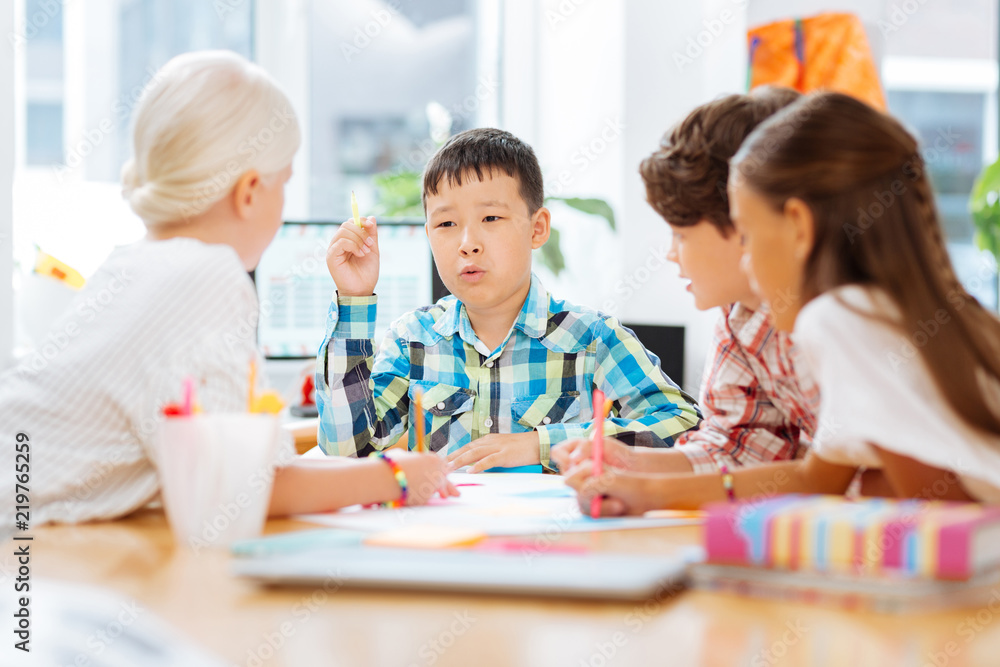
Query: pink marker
x=188 y=407
x=597 y=451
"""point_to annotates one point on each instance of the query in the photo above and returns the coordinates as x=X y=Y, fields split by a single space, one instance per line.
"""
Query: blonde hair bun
x=205 y=119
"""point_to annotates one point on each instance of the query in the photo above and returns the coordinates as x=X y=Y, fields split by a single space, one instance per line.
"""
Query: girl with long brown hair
x=842 y=239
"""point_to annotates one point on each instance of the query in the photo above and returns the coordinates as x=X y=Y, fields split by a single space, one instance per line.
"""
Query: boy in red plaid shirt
x=756 y=408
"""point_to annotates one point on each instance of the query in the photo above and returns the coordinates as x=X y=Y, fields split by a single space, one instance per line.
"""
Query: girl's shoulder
x=177 y=254
x=857 y=307
x=179 y=263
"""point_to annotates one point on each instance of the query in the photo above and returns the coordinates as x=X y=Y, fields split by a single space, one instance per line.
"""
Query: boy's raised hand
x=353 y=257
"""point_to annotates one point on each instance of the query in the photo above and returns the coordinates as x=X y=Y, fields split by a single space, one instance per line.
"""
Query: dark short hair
x=686 y=176
x=481 y=152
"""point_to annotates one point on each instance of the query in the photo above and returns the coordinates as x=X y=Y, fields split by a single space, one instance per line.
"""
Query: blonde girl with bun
x=214 y=141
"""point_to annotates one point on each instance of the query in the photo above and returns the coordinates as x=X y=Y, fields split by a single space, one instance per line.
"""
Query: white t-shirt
x=90 y=398
x=877 y=391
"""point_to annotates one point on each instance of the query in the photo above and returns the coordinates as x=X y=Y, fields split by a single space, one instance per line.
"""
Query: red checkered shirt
x=757 y=408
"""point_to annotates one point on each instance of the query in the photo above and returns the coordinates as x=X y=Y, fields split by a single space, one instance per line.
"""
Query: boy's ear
x=803 y=228
x=245 y=193
x=540 y=227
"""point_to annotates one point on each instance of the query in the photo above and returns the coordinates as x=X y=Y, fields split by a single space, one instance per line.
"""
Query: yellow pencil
x=418 y=412
x=253 y=381
x=675 y=514
x=354 y=209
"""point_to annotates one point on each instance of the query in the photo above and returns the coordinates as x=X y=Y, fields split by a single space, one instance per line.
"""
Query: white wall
x=593 y=86
x=6 y=182
x=282 y=48
x=678 y=55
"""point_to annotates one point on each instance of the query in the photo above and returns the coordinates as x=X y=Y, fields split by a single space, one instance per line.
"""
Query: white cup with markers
x=216 y=471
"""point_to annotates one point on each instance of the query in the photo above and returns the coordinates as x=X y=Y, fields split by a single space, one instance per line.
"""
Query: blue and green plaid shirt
x=540 y=379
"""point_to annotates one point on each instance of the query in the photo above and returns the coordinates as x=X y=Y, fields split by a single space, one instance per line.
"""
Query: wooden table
x=240 y=622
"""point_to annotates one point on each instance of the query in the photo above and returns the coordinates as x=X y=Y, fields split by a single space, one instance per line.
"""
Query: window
x=389 y=82
x=80 y=68
x=940 y=75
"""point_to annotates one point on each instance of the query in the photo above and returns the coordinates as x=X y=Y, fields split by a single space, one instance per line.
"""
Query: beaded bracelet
x=727 y=482
x=400 y=477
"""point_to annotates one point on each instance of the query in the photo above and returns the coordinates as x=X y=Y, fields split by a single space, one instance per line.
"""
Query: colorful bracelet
x=727 y=482
x=400 y=477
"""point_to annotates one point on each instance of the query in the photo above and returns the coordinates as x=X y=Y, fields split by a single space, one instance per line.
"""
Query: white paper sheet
x=497 y=504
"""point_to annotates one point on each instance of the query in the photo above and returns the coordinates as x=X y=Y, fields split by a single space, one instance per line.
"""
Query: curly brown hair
x=686 y=176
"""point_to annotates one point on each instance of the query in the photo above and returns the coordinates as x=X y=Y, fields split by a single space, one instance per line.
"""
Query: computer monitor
x=666 y=342
x=295 y=287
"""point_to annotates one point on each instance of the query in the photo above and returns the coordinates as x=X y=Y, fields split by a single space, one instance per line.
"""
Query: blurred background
x=379 y=85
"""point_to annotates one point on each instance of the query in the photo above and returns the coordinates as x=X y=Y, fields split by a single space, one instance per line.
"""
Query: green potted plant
x=984 y=205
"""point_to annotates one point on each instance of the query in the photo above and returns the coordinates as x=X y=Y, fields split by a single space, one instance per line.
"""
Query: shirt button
x=440 y=406
x=489 y=364
x=488 y=423
x=547 y=420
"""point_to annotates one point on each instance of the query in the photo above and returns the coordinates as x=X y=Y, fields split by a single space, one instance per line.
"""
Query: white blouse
x=89 y=399
x=876 y=390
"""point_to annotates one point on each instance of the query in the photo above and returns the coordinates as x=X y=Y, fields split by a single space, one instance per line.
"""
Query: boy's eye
x=491 y=218
x=447 y=223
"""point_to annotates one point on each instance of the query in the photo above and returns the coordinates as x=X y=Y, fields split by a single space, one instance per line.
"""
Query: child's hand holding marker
x=616 y=454
x=620 y=492
x=427 y=476
x=353 y=257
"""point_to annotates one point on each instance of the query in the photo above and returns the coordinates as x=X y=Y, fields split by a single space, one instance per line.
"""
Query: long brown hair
x=862 y=176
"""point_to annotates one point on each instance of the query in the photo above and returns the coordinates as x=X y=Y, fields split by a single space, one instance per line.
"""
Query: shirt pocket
x=532 y=411
x=448 y=414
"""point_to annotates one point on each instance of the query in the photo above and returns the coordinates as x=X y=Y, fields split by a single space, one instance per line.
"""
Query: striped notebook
x=867 y=537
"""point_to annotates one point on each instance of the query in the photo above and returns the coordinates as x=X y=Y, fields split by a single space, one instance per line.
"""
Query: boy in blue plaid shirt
x=506 y=371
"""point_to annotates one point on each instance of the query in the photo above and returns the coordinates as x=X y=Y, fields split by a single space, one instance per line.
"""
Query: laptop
x=530 y=572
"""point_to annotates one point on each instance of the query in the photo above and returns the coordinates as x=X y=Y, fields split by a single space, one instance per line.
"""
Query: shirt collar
x=752 y=328
x=532 y=320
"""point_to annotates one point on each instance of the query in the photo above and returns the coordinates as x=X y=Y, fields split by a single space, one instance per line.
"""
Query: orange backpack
x=824 y=52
